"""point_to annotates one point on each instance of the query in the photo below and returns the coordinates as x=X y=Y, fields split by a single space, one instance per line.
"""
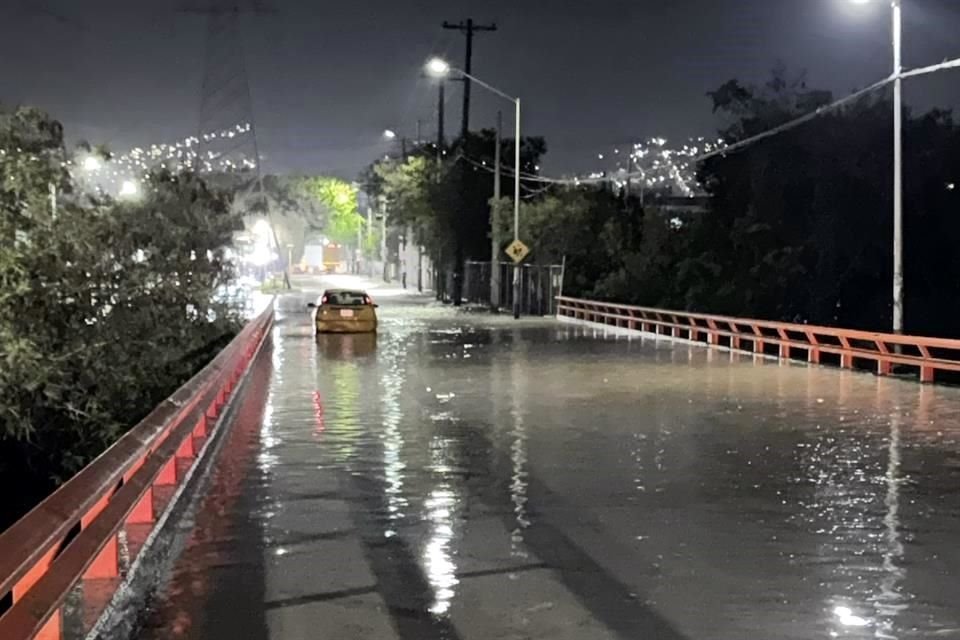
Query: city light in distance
x=129 y=189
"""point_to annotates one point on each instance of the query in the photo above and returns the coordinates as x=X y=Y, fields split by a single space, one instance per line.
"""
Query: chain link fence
x=539 y=286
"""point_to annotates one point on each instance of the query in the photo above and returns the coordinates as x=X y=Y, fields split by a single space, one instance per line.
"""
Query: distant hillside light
x=129 y=189
x=92 y=163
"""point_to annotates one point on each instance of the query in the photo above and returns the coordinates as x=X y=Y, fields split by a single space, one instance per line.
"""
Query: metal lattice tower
x=227 y=132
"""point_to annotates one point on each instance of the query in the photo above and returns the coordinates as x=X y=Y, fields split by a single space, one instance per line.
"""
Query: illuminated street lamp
x=389 y=134
x=439 y=68
x=897 y=162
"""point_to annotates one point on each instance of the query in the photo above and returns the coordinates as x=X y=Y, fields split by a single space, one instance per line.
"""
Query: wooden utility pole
x=468 y=28
x=441 y=98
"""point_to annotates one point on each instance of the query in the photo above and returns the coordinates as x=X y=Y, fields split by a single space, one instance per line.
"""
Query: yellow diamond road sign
x=518 y=251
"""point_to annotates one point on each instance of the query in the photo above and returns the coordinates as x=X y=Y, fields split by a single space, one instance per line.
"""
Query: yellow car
x=345 y=311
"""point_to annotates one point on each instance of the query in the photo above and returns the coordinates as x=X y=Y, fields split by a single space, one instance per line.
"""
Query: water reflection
x=890 y=601
x=858 y=508
x=391 y=382
x=771 y=501
x=343 y=427
x=438 y=557
x=346 y=346
x=518 y=453
x=267 y=457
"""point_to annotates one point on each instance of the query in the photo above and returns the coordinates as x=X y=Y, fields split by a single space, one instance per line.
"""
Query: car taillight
x=367 y=300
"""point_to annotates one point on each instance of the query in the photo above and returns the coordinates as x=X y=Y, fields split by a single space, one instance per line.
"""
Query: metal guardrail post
x=39 y=567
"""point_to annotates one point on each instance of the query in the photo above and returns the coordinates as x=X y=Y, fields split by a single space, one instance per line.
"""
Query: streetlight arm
x=485 y=85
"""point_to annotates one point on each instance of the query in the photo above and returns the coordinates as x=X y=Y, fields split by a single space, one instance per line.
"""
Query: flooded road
x=467 y=476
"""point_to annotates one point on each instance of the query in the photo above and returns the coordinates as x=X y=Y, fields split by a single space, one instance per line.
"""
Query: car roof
x=360 y=292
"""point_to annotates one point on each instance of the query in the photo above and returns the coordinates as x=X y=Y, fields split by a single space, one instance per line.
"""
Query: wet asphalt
x=467 y=476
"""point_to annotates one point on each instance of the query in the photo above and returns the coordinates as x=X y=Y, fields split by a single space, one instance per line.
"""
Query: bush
x=105 y=307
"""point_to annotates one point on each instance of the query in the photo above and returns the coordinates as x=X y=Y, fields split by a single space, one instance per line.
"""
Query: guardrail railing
x=86 y=534
x=816 y=344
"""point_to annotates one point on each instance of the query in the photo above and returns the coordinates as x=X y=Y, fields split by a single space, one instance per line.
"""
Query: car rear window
x=346 y=298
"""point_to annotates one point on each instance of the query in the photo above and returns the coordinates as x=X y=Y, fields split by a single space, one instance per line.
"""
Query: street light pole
x=440 y=68
x=516 y=209
x=494 y=235
x=383 y=239
x=897 y=168
x=898 y=284
x=898 y=287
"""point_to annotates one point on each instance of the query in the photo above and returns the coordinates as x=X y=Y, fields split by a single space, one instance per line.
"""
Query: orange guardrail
x=98 y=521
x=787 y=340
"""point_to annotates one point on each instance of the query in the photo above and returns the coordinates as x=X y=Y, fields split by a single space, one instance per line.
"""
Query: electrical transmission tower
x=226 y=128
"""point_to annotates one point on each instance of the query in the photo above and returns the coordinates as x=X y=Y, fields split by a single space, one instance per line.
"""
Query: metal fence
x=848 y=348
x=539 y=287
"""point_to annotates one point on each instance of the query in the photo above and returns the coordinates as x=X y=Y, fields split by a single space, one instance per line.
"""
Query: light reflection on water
x=775 y=497
x=392 y=356
x=438 y=557
x=890 y=601
x=518 y=455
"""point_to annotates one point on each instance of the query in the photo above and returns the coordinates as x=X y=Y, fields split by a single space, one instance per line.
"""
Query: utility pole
x=494 y=236
x=383 y=239
x=440 y=141
x=369 y=244
x=468 y=28
x=440 y=101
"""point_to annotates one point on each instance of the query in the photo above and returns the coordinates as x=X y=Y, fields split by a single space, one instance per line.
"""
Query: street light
x=92 y=163
x=439 y=68
x=389 y=134
x=897 y=162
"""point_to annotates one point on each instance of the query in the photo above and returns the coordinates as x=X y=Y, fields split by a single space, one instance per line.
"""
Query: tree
x=105 y=308
x=448 y=204
x=339 y=198
x=411 y=191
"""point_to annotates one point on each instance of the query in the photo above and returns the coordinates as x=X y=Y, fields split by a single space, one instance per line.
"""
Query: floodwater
x=468 y=476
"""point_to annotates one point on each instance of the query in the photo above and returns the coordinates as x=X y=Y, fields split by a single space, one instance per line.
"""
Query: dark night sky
x=328 y=77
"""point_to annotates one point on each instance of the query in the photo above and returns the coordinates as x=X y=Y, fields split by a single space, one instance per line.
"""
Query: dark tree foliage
x=106 y=307
x=800 y=224
x=447 y=202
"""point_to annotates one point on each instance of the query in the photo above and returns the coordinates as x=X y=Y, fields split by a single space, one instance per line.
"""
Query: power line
x=732 y=148
x=783 y=128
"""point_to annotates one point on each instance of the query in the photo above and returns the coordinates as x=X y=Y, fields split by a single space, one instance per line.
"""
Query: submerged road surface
x=467 y=476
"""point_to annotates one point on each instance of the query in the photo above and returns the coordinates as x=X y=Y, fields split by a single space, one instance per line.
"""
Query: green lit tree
x=343 y=222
